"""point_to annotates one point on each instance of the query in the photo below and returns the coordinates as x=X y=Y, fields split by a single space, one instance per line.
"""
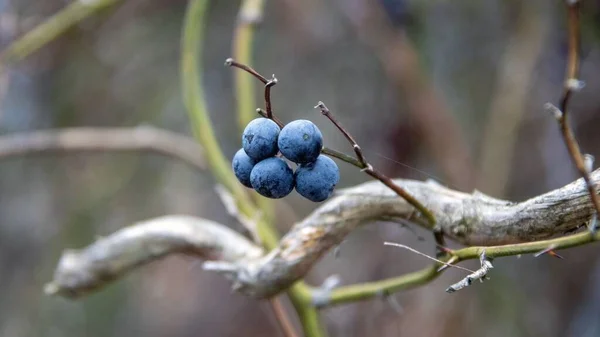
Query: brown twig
x=87 y=139
x=359 y=162
x=368 y=169
x=283 y=319
x=232 y=63
x=571 y=85
x=268 y=83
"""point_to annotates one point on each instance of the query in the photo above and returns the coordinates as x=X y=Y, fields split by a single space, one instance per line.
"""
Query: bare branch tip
x=320 y=105
x=229 y=62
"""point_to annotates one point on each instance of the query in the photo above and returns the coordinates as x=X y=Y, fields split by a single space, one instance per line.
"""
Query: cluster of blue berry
x=256 y=164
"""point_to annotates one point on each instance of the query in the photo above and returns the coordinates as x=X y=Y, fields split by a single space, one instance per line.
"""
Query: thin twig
x=572 y=84
x=447 y=264
x=52 y=28
x=360 y=162
x=268 y=104
x=232 y=63
x=368 y=169
x=268 y=83
x=88 y=139
x=283 y=319
x=325 y=111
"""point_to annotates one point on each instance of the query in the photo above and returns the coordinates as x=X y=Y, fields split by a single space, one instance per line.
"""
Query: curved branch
x=86 y=139
x=52 y=28
x=471 y=219
x=82 y=271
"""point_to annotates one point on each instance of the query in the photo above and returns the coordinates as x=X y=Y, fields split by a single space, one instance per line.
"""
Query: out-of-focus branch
x=510 y=98
x=400 y=60
x=412 y=280
x=249 y=16
x=52 y=28
x=82 y=271
x=193 y=95
x=84 y=139
x=572 y=84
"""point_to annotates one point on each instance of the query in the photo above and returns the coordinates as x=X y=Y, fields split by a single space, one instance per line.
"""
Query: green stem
x=250 y=13
x=299 y=294
x=368 y=290
x=52 y=28
x=193 y=94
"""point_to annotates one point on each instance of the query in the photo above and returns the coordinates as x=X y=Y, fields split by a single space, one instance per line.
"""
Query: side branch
x=82 y=271
x=85 y=139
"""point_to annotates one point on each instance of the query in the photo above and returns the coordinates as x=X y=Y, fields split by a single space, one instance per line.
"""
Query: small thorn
x=229 y=62
x=550 y=251
x=554 y=254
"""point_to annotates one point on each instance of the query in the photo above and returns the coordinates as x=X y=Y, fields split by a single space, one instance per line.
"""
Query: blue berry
x=316 y=181
x=272 y=178
x=259 y=139
x=242 y=166
x=300 y=141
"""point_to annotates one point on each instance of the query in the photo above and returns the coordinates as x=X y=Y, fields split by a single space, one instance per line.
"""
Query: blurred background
x=454 y=89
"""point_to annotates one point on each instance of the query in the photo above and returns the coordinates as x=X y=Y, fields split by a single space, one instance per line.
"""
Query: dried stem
x=136 y=139
x=572 y=84
x=368 y=169
x=268 y=83
x=282 y=318
x=232 y=63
